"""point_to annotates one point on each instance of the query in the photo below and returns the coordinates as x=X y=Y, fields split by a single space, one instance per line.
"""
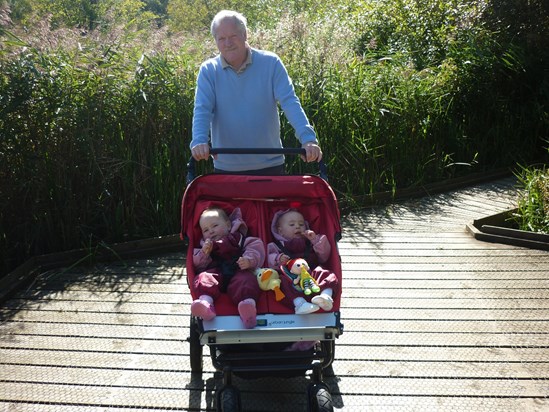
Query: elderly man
x=236 y=103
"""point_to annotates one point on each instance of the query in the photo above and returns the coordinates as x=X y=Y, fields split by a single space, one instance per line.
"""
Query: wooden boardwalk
x=434 y=321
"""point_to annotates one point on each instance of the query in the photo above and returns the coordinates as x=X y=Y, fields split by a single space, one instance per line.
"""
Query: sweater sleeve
x=200 y=260
x=273 y=256
x=291 y=105
x=322 y=247
x=204 y=101
x=254 y=249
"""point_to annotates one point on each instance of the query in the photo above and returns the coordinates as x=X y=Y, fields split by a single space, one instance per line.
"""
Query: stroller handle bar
x=191 y=169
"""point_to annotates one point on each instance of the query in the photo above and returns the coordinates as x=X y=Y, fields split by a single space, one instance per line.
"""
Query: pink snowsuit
x=219 y=271
x=315 y=252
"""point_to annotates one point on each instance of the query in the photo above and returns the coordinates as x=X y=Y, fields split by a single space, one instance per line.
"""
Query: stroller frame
x=277 y=326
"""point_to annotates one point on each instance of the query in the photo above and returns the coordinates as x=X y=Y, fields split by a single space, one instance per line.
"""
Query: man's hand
x=312 y=152
x=201 y=151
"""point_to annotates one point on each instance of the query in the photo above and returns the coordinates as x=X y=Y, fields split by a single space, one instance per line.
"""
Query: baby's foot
x=324 y=301
x=305 y=307
x=203 y=309
x=248 y=313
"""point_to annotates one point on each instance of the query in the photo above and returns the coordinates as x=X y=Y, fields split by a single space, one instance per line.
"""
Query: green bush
x=533 y=205
x=93 y=147
x=95 y=124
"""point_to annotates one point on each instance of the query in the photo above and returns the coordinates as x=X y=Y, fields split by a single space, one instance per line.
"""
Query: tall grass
x=94 y=146
x=533 y=205
x=94 y=128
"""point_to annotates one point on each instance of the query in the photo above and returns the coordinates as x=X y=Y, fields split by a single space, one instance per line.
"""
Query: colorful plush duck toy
x=300 y=268
x=268 y=279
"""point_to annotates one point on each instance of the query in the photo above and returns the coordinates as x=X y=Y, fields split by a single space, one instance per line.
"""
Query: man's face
x=231 y=43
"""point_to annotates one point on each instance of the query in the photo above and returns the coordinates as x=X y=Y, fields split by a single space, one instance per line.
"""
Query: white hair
x=239 y=20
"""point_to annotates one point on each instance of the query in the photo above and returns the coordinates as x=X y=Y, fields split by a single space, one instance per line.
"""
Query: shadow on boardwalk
x=434 y=320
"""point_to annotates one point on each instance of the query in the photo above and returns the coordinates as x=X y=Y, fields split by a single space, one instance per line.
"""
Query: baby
x=226 y=262
x=294 y=239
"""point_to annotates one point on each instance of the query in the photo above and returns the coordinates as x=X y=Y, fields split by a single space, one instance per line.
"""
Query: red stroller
x=260 y=351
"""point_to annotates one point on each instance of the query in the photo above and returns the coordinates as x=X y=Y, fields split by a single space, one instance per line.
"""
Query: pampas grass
x=95 y=124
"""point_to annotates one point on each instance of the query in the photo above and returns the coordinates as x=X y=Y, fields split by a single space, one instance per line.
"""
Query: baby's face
x=214 y=227
x=291 y=225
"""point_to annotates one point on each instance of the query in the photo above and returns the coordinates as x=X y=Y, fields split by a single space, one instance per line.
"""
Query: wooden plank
x=434 y=320
x=177 y=308
x=130 y=396
x=349 y=402
x=387 y=251
x=381 y=302
x=112 y=364
x=98 y=318
x=75 y=329
x=98 y=296
x=404 y=283
x=179 y=362
x=99 y=395
x=444 y=326
x=443 y=339
x=421 y=294
x=377 y=331
x=513 y=299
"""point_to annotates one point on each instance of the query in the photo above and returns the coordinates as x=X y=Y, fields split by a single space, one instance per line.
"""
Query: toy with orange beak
x=304 y=279
x=268 y=279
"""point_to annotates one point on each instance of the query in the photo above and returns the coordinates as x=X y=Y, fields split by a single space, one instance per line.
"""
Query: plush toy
x=304 y=279
x=268 y=279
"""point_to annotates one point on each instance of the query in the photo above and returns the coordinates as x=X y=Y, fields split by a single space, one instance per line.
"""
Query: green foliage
x=196 y=15
x=87 y=14
x=18 y=9
x=95 y=119
x=72 y=13
x=130 y=13
x=190 y=15
x=533 y=206
x=157 y=7
x=92 y=147
x=423 y=31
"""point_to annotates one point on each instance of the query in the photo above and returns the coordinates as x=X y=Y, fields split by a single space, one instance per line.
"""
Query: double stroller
x=263 y=350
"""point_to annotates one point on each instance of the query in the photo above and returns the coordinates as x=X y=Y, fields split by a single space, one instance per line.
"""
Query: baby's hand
x=309 y=234
x=207 y=247
x=244 y=263
x=284 y=259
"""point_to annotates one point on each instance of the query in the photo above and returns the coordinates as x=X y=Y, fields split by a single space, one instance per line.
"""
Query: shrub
x=95 y=124
x=533 y=205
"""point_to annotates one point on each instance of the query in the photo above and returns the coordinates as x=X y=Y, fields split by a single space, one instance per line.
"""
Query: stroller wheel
x=228 y=399
x=319 y=398
x=195 y=347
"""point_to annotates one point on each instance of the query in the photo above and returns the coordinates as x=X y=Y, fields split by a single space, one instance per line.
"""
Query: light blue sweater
x=240 y=110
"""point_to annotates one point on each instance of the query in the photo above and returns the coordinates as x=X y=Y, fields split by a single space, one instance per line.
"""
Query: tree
x=19 y=9
x=158 y=7
x=191 y=15
x=71 y=13
x=126 y=12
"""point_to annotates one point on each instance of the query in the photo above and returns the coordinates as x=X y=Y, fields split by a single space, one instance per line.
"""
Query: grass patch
x=533 y=205
x=95 y=122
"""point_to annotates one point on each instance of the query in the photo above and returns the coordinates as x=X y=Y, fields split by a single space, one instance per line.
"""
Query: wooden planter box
x=499 y=228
